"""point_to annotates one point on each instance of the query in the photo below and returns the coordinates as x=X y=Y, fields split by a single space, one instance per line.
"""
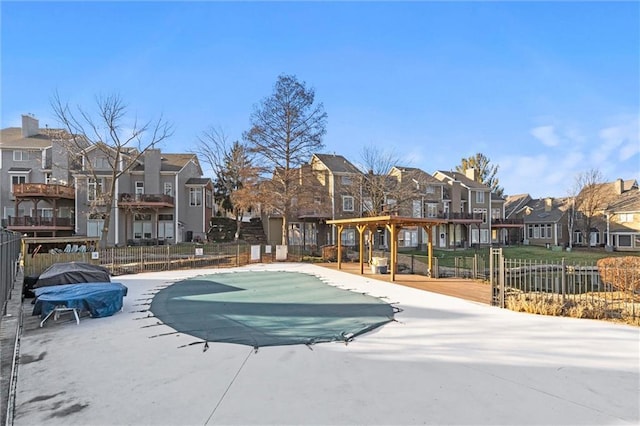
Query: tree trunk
x=284 y=230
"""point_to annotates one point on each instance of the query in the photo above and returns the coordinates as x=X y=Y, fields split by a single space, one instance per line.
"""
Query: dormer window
x=479 y=197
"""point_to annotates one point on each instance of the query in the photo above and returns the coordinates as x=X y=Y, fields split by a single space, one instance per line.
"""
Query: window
x=295 y=234
x=482 y=212
x=624 y=240
x=95 y=223
x=479 y=197
x=44 y=212
x=165 y=226
x=345 y=180
x=496 y=213
x=195 y=197
x=168 y=189
x=9 y=212
x=347 y=203
x=625 y=217
x=17 y=179
x=391 y=205
x=142 y=225
x=349 y=237
x=139 y=187
x=430 y=189
x=543 y=231
x=367 y=205
x=24 y=155
x=432 y=210
x=101 y=163
x=208 y=199
x=577 y=237
x=559 y=230
x=416 y=210
x=94 y=189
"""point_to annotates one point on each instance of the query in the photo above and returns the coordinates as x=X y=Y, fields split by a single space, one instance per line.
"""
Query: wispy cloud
x=546 y=134
x=622 y=139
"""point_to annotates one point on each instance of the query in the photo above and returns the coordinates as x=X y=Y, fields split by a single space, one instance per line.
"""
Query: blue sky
x=546 y=90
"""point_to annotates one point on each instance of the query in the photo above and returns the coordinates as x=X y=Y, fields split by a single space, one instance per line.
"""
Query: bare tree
x=384 y=187
x=236 y=177
x=485 y=173
x=107 y=136
x=590 y=200
x=286 y=129
x=373 y=185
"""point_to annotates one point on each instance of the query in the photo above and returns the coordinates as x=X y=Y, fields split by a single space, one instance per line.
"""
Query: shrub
x=623 y=273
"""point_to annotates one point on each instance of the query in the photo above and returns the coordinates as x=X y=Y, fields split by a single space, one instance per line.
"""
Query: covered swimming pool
x=268 y=308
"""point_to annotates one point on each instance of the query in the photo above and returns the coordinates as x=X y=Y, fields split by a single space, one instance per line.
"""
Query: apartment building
x=467 y=201
x=36 y=189
x=48 y=191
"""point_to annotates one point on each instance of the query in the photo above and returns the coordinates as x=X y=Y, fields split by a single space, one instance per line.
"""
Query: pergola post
x=393 y=262
x=361 y=229
x=340 y=229
x=429 y=230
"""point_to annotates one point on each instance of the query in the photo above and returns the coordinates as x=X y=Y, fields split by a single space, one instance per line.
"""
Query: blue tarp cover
x=100 y=299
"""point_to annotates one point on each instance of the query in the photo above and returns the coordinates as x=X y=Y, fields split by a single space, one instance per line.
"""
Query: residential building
x=622 y=216
x=36 y=188
x=545 y=220
x=468 y=201
x=425 y=199
x=159 y=199
x=46 y=190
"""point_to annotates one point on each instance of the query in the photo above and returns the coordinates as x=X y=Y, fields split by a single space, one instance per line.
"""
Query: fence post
x=563 y=280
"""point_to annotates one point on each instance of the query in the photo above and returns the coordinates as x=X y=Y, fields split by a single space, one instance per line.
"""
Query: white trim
x=116 y=211
x=176 y=204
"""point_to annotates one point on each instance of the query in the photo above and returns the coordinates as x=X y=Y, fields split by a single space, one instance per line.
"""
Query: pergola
x=393 y=224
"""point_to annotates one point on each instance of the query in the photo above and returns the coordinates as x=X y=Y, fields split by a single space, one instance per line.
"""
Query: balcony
x=507 y=223
x=462 y=217
x=310 y=213
x=145 y=200
x=43 y=190
x=28 y=223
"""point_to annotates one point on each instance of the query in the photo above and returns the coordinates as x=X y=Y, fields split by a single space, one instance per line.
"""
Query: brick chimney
x=619 y=186
x=470 y=173
x=548 y=204
x=30 y=126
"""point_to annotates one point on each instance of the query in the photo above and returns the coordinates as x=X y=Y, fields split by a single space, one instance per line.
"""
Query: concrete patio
x=444 y=360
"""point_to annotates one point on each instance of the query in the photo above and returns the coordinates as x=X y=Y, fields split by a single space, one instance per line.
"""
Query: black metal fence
x=131 y=260
x=9 y=263
x=560 y=288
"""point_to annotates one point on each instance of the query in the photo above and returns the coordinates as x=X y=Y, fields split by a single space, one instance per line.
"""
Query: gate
x=497 y=277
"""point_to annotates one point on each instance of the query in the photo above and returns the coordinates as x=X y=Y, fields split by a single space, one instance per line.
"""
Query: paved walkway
x=476 y=291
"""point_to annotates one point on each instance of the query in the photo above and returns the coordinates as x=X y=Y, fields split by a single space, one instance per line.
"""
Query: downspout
x=176 y=209
x=204 y=208
x=4 y=208
x=333 y=208
x=489 y=220
x=75 y=206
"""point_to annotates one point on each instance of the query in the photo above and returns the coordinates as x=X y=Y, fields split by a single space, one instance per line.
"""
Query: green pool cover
x=267 y=308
